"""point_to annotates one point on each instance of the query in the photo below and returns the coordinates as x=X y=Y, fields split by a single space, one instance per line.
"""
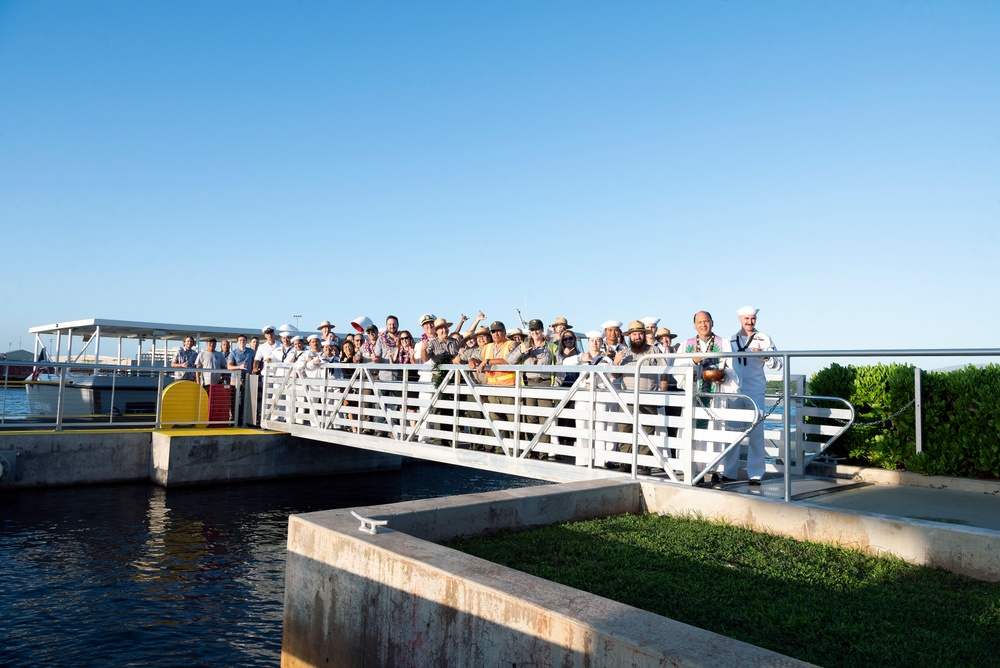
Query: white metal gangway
x=583 y=429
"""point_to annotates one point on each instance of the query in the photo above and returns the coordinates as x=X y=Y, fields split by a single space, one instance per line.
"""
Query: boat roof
x=127 y=329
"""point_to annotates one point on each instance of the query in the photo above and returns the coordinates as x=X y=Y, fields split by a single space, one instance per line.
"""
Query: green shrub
x=961 y=417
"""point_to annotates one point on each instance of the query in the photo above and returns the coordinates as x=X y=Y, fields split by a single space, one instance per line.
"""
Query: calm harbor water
x=136 y=575
x=13 y=401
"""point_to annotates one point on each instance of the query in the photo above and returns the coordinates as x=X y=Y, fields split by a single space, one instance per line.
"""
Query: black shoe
x=755 y=482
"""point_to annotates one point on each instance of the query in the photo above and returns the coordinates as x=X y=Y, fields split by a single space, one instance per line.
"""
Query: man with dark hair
x=711 y=375
x=185 y=358
x=210 y=359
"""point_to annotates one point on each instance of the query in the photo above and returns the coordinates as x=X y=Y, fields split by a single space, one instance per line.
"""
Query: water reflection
x=138 y=575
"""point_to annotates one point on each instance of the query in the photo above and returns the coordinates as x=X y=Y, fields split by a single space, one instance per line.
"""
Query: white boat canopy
x=140 y=330
x=97 y=328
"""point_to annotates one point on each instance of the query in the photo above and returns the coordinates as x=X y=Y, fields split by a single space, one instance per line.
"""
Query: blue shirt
x=245 y=357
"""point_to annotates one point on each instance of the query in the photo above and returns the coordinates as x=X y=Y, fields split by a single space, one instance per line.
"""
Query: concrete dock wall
x=77 y=458
x=175 y=457
x=396 y=598
x=247 y=455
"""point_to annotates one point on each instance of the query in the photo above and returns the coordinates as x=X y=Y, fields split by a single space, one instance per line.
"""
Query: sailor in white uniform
x=751 y=380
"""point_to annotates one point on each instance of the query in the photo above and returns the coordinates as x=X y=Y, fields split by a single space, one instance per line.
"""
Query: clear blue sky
x=836 y=164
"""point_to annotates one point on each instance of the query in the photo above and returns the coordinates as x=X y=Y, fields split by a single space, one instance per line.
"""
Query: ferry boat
x=94 y=385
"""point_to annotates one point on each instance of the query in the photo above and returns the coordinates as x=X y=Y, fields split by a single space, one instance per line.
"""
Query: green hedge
x=961 y=417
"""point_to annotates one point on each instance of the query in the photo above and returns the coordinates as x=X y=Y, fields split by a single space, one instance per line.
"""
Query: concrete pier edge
x=398 y=598
x=175 y=457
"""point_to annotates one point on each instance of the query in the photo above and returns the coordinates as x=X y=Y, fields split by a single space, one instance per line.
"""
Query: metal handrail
x=61 y=419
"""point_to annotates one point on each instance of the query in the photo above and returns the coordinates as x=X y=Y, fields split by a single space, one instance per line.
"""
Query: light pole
x=297 y=318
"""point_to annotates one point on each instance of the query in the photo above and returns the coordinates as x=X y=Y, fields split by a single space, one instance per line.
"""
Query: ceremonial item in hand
x=713 y=375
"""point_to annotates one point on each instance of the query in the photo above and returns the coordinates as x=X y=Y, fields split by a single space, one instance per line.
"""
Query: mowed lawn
x=819 y=603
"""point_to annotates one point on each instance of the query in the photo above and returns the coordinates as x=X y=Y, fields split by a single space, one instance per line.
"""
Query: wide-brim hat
x=515 y=332
x=663 y=331
x=441 y=322
x=482 y=329
x=468 y=334
x=561 y=321
x=636 y=326
x=325 y=323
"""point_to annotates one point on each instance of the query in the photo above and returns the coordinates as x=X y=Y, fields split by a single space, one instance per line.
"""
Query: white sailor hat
x=612 y=323
x=594 y=334
x=330 y=343
x=312 y=336
x=283 y=333
x=747 y=310
x=297 y=337
x=650 y=321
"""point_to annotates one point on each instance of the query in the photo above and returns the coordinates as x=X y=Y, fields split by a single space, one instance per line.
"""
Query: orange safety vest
x=491 y=351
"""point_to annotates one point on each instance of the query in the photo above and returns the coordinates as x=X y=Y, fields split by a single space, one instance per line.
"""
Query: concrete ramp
x=803 y=487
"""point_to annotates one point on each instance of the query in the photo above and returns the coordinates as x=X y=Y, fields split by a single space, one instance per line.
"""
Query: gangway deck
x=594 y=427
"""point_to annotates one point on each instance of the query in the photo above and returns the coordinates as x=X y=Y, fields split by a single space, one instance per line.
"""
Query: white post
x=919 y=409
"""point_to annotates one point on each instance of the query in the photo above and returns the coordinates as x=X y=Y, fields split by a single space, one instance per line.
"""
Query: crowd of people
x=487 y=350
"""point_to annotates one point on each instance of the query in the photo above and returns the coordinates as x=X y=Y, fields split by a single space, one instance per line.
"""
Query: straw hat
x=636 y=326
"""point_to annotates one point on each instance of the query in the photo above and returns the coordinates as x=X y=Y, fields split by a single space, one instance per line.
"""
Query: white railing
x=590 y=423
x=87 y=396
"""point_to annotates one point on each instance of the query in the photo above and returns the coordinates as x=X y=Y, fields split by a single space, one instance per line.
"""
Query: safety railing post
x=59 y=398
x=918 y=410
x=159 y=400
x=786 y=431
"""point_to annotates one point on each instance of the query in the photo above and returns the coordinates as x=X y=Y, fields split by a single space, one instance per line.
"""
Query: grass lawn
x=824 y=604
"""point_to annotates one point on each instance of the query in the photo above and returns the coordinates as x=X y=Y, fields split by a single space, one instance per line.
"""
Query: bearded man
x=629 y=357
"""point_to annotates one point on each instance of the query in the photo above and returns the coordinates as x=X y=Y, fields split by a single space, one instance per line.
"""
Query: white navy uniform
x=751 y=382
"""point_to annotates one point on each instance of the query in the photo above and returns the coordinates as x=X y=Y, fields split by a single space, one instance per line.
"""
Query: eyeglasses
x=570 y=341
x=405 y=338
